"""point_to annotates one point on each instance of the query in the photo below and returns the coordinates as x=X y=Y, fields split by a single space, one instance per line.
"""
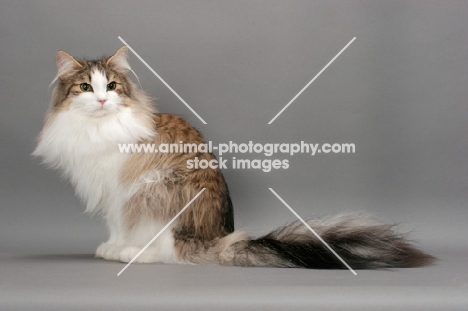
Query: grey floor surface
x=80 y=282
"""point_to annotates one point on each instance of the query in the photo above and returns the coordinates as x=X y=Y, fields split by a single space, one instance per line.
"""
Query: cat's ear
x=119 y=59
x=66 y=64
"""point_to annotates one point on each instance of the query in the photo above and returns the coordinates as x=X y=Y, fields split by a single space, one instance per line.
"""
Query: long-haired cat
x=95 y=107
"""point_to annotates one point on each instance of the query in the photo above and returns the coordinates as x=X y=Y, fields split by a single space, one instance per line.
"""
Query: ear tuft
x=65 y=63
x=119 y=59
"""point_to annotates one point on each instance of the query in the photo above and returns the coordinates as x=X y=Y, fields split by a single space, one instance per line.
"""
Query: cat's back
x=173 y=128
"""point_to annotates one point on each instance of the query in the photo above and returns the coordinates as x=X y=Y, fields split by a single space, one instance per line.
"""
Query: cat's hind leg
x=160 y=250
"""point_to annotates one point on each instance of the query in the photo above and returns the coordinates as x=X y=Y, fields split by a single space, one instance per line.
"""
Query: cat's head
x=93 y=88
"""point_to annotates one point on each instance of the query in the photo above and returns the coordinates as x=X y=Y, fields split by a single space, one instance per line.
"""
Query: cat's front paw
x=148 y=256
x=108 y=251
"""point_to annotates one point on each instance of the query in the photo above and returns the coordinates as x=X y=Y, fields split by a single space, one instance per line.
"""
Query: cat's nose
x=102 y=101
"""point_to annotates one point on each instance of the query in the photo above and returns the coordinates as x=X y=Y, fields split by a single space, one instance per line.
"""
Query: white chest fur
x=86 y=150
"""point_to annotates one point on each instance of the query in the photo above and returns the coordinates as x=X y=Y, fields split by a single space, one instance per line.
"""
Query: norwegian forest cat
x=95 y=107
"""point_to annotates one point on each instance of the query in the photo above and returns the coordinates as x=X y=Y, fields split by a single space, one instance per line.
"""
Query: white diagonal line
x=307 y=85
x=313 y=231
x=162 y=80
x=162 y=230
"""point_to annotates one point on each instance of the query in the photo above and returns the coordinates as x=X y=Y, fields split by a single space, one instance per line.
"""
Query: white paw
x=108 y=251
x=148 y=256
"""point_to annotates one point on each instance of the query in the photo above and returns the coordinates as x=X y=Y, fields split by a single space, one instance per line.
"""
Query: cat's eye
x=111 y=86
x=85 y=87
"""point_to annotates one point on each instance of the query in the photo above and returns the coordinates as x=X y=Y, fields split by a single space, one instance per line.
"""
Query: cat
x=95 y=107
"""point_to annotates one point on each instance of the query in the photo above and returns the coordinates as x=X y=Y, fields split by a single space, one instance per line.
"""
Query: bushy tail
x=361 y=242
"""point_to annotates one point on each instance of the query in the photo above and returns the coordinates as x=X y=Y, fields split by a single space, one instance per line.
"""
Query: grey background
x=399 y=93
